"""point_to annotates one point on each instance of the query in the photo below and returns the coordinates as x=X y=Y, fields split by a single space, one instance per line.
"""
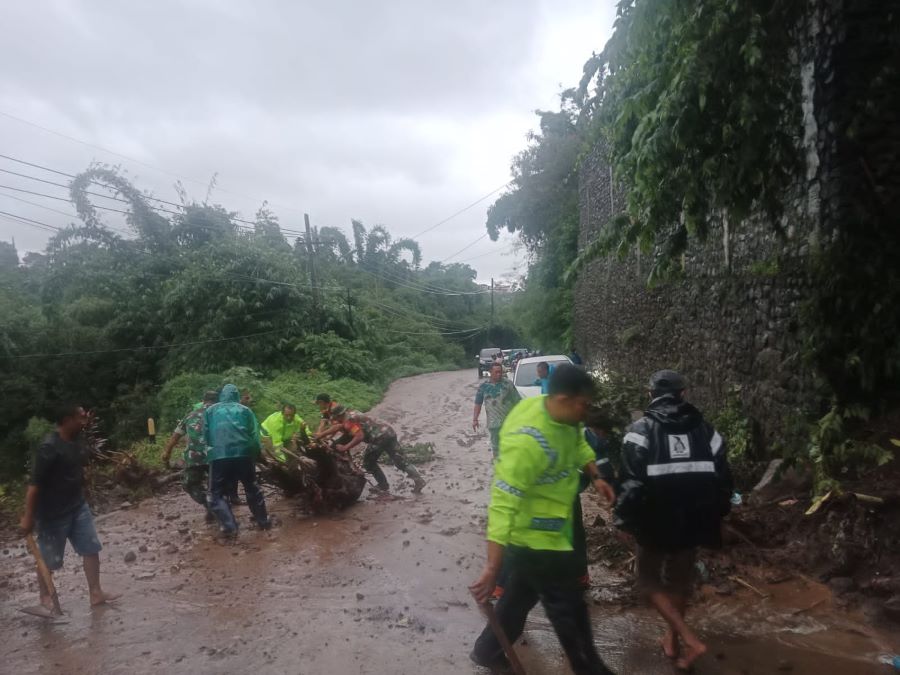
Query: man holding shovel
x=55 y=504
x=542 y=452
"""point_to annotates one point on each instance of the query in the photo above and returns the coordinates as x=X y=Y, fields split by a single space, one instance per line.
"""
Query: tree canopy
x=105 y=316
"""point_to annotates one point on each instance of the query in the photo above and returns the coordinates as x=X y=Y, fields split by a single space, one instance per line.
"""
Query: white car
x=526 y=373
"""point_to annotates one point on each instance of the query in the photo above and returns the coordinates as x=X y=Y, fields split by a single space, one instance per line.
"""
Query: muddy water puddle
x=379 y=588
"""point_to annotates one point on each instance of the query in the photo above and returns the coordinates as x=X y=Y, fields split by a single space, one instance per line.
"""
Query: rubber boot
x=413 y=473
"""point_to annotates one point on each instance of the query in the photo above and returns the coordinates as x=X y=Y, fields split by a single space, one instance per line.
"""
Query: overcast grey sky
x=398 y=112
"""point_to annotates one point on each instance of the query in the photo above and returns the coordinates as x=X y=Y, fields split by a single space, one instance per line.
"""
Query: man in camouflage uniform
x=378 y=437
x=196 y=468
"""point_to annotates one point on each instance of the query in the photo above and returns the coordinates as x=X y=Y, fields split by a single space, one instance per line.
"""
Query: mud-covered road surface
x=379 y=588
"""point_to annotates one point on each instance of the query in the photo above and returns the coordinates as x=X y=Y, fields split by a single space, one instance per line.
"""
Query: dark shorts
x=670 y=572
x=77 y=526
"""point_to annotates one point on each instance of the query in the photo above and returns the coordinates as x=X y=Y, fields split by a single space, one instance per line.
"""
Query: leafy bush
x=834 y=452
x=178 y=395
x=36 y=430
x=130 y=411
x=337 y=357
x=148 y=453
x=737 y=430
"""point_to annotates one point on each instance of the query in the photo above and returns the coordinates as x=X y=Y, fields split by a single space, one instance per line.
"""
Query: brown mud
x=377 y=588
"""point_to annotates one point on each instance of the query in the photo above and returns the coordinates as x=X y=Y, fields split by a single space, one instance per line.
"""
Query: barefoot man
x=676 y=488
x=55 y=504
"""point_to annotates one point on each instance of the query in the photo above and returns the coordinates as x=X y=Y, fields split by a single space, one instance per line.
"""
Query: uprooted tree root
x=331 y=482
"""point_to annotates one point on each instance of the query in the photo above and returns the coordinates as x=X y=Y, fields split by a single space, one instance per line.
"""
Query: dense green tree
x=107 y=316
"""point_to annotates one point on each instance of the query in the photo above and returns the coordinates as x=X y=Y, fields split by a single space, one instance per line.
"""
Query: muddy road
x=379 y=588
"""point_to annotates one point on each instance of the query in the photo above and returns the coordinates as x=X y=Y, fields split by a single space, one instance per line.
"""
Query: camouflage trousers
x=387 y=445
x=194 y=480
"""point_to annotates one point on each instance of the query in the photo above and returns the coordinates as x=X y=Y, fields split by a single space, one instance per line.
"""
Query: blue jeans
x=224 y=475
x=77 y=526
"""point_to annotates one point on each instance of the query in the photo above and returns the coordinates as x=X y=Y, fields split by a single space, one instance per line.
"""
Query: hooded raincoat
x=231 y=428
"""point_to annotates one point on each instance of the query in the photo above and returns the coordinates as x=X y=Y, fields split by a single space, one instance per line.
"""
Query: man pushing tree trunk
x=379 y=439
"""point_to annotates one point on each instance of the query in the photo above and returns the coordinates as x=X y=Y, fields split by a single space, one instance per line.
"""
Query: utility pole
x=313 y=276
x=350 y=309
x=491 y=329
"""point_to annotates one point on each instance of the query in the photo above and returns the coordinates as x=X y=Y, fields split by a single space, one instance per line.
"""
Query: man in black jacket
x=676 y=488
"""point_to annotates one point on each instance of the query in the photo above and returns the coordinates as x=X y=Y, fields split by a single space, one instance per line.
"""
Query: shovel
x=46 y=577
x=488 y=610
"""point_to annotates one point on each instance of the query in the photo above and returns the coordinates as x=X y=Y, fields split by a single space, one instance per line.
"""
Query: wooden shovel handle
x=488 y=610
x=43 y=571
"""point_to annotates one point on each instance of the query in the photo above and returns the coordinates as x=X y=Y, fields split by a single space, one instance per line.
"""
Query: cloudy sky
x=399 y=112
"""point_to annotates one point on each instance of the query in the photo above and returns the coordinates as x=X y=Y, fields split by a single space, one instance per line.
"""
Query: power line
x=135 y=161
x=62 y=199
x=100 y=148
x=40 y=206
x=467 y=246
x=483 y=255
x=462 y=210
x=18 y=221
x=30 y=220
x=148 y=348
x=416 y=286
x=50 y=208
x=286 y=231
x=396 y=311
x=395 y=277
x=411 y=315
x=206 y=183
x=471 y=332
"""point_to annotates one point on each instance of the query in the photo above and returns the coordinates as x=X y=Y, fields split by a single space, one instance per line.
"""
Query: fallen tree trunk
x=322 y=478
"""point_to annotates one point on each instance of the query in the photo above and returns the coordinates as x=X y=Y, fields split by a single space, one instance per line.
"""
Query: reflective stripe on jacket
x=536 y=479
x=675 y=481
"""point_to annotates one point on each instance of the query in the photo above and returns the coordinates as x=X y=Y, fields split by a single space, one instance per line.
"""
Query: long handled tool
x=43 y=572
x=488 y=610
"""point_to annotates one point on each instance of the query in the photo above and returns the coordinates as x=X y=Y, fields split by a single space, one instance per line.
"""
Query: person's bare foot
x=670 y=645
x=103 y=598
x=690 y=653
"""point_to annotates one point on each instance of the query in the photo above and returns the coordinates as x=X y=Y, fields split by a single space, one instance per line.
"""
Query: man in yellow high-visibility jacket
x=536 y=479
x=280 y=428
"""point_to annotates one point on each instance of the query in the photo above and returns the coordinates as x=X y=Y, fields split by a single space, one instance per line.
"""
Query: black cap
x=666 y=382
x=323 y=398
x=338 y=411
x=210 y=396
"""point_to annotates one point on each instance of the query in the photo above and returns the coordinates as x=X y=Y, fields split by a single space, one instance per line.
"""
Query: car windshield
x=526 y=373
x=489 y=353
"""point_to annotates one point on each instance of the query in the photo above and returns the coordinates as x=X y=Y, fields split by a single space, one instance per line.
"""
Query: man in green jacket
x=232 y=435
x=536 y=479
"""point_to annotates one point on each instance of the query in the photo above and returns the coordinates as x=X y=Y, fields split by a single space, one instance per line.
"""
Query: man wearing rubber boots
x=232 y=435
x=379 y=438
x=542 y=452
